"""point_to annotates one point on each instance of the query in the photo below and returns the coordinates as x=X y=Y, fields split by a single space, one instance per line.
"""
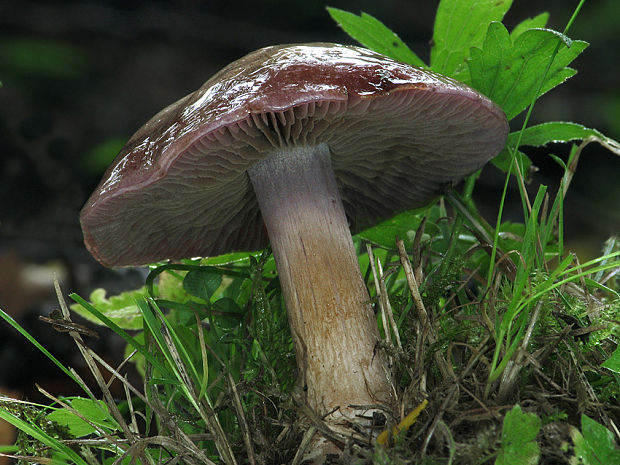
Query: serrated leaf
x=518 y=433
x=510 y=73
x=202 y=283
x=460 y=25
x=121 y=308
x=539 y=21
x=594 y=445
x=613 y=362
x=373 y=34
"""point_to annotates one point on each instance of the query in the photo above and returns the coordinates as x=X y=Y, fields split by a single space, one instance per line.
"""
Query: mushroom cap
x=397 y=135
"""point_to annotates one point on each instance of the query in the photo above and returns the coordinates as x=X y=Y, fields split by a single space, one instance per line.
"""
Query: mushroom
x=296 y=146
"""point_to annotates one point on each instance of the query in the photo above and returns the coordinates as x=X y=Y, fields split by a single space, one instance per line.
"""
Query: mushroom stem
x=331 y=320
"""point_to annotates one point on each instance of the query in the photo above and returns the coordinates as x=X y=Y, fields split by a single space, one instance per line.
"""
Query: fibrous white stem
x=332 y=322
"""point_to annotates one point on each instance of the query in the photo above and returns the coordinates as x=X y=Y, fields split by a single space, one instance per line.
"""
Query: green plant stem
x=493 y=371
x=513 y=153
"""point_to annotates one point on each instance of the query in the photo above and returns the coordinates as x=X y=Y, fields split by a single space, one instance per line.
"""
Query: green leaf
x=539 y=21
x=121 y=309
x=202 y=283
x=556 y=131
x=229 y=258
x=31 y=429
x=403 y=225
x=503 y=159
x=227 y=314
x=96 y=412
x=76 y=426
x=460 y=25
x=510 y=73
x=613 y=362
x=373 y=34
x=518 y=434
x=594 y=445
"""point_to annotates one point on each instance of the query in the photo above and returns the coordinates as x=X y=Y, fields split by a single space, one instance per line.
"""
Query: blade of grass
x=180 y=346
x=120 y=331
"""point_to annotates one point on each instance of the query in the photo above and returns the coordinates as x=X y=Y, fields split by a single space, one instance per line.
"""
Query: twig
x=305 y=442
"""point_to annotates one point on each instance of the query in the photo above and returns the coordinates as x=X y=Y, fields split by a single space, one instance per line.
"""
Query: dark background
x=79 y=77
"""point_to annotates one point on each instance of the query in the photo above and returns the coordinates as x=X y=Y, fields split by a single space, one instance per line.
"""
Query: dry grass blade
x=180 y=440
x=481 y=349
x=511 y=374
x=387 y=315
x=205 y=410
x=247 y=438
x=416 y=256
x=108 y=398
x=427 y=326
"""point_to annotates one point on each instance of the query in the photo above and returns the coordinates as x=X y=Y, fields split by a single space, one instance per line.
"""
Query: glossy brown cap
x=397 y=135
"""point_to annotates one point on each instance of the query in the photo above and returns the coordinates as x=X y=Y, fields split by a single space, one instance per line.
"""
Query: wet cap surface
x=397 y=135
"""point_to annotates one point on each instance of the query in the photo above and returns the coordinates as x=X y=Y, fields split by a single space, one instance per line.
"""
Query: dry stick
x=121 y=365
x=386 y=308
x=416 y=256
x=118 y=376
x=386 y=329
x=386 y=302
x=419 y=305
x=132 y=412
x=305 y=442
